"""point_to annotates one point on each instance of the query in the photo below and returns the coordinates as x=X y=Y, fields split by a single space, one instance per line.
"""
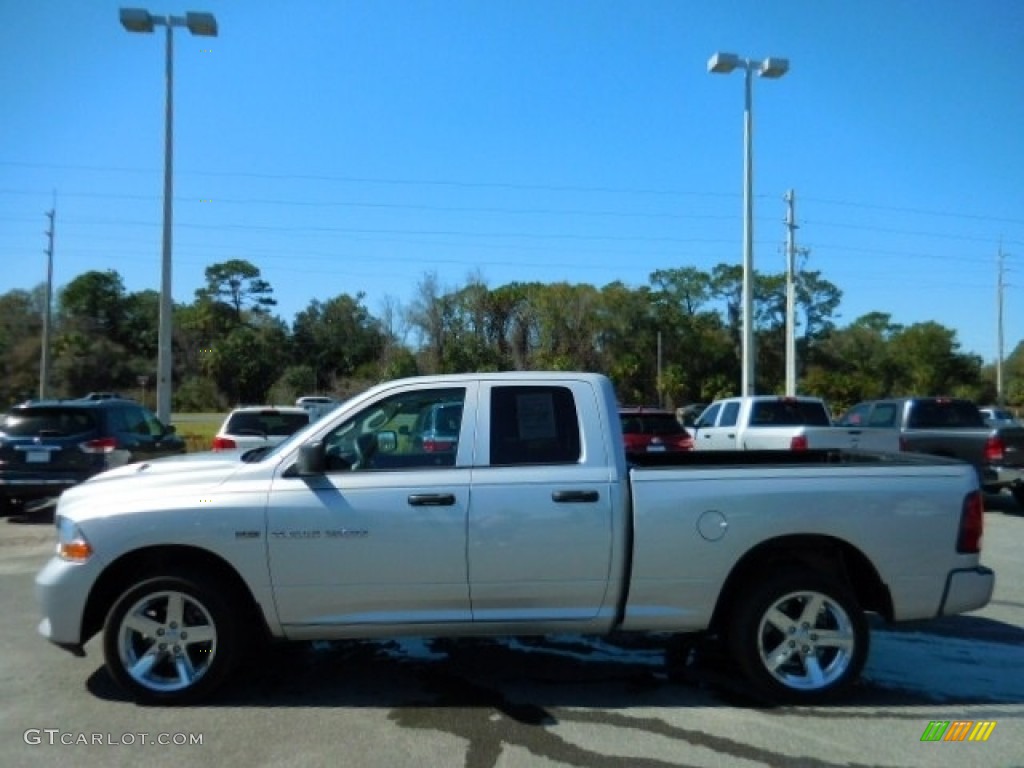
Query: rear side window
x=789 y=413
x=534 y=425
x=266 y=423
x=52 y=421
x=944 y=413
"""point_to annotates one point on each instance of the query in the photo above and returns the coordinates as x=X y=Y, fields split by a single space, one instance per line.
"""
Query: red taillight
x=223 y=444
x=798 y=443
x=430 y=445
x=994 y=449
x=904 y=445
x=102 y=445
x=972 y=523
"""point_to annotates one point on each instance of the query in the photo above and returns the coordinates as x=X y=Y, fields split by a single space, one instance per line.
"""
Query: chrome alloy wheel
x=167 y=641
x=806 y=640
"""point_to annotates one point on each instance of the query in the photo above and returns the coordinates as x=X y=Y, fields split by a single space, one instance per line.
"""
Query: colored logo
x=958 y=730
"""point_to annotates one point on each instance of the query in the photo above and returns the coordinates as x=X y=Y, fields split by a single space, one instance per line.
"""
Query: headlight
x=71 y=542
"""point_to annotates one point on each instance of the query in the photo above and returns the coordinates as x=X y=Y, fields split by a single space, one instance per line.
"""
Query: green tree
x=237 y=285
x=338 y=339
x=20 y=345
x=246 y=363
x=931 y=362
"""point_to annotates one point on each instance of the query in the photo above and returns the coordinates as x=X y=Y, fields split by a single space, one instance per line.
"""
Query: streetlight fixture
x=139 y=20
x=774 y=68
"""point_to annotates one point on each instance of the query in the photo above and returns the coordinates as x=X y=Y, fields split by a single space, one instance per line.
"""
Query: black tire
x=171 y=639
x=1018 y=493
x=799 y=637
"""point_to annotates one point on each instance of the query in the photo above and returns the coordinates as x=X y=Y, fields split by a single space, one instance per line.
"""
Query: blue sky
x=356 y=145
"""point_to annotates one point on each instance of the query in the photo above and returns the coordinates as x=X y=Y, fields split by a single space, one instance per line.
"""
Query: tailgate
x=46 y=441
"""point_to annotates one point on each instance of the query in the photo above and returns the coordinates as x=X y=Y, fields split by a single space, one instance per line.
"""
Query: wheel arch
x=157 y=561
x=827 y=555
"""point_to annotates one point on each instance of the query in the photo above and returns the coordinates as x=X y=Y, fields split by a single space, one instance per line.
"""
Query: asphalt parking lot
x=562 y=701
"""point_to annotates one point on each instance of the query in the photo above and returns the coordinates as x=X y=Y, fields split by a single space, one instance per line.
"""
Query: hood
x=150 y=484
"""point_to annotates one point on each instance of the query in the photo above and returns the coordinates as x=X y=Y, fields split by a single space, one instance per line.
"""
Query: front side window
x=534 y=425
x=419 y=429
x=730 y=414
x=856 y=416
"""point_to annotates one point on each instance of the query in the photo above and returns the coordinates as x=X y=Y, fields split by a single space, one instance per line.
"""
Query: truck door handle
x=569 y=496
x=432 y=499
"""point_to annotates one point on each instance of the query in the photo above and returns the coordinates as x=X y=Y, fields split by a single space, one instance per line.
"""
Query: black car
x=47 y=446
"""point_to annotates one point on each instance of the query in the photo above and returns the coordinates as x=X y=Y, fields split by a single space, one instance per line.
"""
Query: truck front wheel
x=170 y=639
x=799 y=638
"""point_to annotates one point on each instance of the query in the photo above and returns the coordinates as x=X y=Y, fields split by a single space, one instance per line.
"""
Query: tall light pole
x=723 y=64
x=138 y=20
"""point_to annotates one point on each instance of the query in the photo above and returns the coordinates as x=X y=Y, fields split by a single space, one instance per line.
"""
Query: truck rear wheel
x=170 y=639
x=799 y=638
x=1018 y=493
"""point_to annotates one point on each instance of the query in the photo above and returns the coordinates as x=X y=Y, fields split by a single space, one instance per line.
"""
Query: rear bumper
x=18 y=485
x=1002 y=476
x=967 y=589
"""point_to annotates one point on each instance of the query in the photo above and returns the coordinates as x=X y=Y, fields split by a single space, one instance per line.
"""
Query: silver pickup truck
x=527 y=519
x=772 y=422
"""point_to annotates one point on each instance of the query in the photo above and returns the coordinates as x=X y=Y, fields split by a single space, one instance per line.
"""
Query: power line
x=504 y=185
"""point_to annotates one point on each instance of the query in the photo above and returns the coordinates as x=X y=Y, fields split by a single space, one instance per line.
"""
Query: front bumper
x=62 y=593
x=967 y=589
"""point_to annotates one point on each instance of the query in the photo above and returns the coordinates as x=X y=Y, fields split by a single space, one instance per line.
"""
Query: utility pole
x=44 y=363
x=791 y=228
x=661 y=390
x=999 y=324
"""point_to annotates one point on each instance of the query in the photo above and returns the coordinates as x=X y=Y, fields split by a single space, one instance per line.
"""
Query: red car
x=649 y=430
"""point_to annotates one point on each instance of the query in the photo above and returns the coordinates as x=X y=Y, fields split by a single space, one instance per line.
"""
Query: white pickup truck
x=527 y=519
x=770 y=422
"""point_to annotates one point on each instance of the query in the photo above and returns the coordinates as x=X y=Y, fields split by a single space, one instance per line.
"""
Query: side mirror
x=312 y=459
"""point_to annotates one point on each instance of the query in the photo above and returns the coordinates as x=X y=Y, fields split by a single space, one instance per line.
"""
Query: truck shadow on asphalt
x=530 y=680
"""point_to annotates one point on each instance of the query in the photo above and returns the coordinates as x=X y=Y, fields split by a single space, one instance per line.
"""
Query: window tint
x=729 y=415
x=651 y=424
x=884 y=415
x=945 y=413
x=53 y=421
x=707 y=419
x=396 y=433
x=141 y=422
x=266 y=423
x=788 y=413
x=534 y=425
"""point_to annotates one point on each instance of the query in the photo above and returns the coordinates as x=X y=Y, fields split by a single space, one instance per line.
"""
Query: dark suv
x=652 y=430
x=49 y=445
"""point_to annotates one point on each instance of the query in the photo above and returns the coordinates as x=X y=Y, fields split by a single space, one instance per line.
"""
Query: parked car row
x=47 y=446
x=950 y=427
